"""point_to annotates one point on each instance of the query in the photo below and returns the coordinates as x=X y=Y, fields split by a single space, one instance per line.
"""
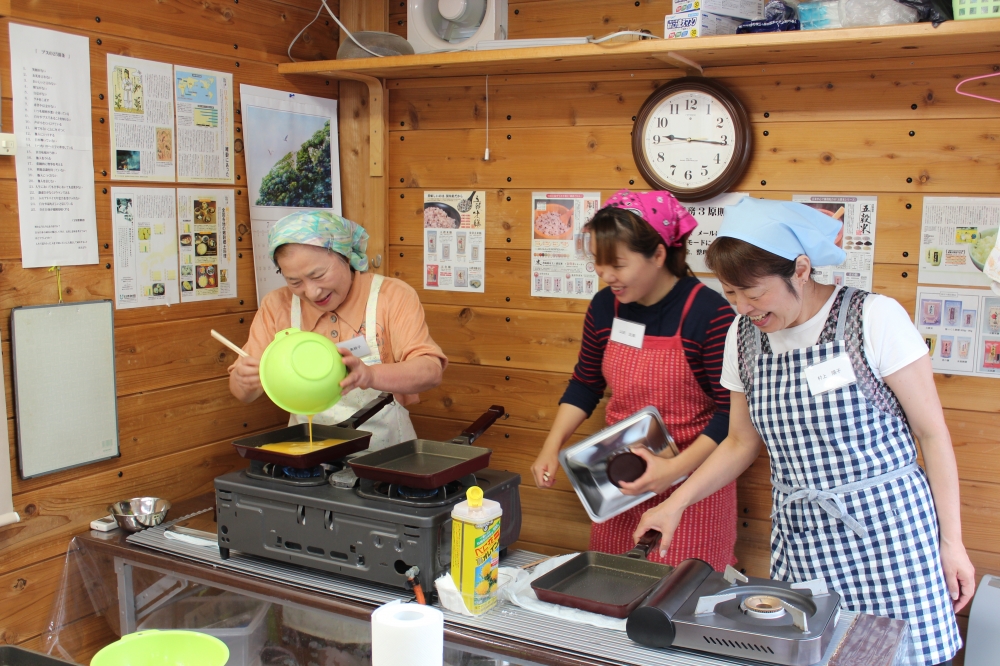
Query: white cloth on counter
x=515 y=587
x=892 y=341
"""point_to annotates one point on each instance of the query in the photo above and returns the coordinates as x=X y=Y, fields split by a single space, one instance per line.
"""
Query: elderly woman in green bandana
x=331 y=292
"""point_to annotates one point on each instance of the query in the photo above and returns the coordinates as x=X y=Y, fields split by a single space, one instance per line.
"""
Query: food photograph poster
x=561 y=263
x=956 y=237
x=961 y=328
x=857 y=215
x=207 y=240
x=455 y=241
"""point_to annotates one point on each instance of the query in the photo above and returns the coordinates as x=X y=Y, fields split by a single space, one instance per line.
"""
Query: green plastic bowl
x=301 y=372
x=163 y=648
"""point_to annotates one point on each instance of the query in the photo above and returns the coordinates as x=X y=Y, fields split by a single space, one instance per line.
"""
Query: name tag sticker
x=628 y=332
x=357 y=346
x=830 y=375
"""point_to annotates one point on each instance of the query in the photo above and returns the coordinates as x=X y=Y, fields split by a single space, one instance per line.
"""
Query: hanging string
x=58 y=271
x=486 y=155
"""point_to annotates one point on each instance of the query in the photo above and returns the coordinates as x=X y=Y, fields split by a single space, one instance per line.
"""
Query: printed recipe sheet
x=561 y=263
x=144 y=225
x=207 y=240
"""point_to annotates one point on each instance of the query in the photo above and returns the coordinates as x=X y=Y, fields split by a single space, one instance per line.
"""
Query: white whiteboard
x=64 y=385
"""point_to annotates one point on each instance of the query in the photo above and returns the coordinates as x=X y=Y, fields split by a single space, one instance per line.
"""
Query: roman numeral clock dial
x=692 y=138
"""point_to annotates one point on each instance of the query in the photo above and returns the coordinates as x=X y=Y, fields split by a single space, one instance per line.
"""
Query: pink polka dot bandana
x=660 y=209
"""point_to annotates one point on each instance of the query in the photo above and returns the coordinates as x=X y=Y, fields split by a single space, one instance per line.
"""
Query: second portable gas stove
x=324 y=517
x=730 y=614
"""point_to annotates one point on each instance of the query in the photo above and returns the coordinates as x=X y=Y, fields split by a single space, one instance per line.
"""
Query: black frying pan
x=612 y=585
x=354 y=440
x=426 y=464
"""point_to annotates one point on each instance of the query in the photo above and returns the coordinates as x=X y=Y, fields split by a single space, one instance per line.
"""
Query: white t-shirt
x=891 y=342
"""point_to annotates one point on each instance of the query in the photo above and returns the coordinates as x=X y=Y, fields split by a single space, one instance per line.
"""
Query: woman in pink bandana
x=640 y=244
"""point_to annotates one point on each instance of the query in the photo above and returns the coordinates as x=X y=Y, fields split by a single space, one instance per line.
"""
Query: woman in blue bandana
x=330 y=291
x=838 y=385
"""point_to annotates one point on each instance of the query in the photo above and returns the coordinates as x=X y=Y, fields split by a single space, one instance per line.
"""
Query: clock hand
x=717 y=143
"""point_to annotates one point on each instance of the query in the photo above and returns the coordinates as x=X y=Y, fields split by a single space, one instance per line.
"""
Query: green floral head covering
x=322 y=229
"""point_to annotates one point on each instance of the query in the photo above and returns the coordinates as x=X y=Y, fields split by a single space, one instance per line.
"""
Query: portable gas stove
x=361 y=528
x=729 y=614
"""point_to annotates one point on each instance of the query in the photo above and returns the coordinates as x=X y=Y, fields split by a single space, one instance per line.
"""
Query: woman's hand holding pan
x=664 y=519
x=660 y=474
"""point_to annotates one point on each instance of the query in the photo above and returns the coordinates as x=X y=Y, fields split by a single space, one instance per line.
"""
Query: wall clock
x=692 y=138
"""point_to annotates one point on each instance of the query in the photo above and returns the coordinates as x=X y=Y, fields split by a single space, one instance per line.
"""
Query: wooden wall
x=828 y=131
x=176 y=416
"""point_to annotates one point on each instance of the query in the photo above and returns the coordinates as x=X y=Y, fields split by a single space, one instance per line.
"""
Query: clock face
x=691 y=137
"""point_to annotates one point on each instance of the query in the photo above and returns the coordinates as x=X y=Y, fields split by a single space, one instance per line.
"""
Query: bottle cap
x=475 y=497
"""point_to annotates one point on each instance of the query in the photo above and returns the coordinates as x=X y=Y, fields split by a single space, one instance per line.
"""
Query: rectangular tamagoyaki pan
x=353 y=440
x=425 y=463
x=612 y=585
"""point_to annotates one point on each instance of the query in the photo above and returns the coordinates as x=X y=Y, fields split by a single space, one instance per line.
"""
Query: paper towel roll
x=409 y=634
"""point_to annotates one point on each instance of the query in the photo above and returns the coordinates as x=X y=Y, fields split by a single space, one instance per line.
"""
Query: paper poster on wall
x=858 y=217
x=144 y=228
x=709 y=215
x=956 y=236
x=949 y=321
x=50 y=73
x=141 y=115
x=988 y=347
x=204 y=125
x=561 y=263
x=207 y=239
x=293 y=163
x=455 y=241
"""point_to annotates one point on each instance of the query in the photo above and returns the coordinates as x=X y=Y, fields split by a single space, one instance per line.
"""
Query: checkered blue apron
x=851 y=505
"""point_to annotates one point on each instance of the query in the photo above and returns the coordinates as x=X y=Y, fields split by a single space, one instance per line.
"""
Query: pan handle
x=647 y=542
x=474 y=431
x=368 y=411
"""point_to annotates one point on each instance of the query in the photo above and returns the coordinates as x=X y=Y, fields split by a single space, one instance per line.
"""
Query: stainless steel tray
x=585 y=463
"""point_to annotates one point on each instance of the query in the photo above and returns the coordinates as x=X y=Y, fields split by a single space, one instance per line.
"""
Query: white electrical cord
x=486 y=156
x=623 y=32
x=337 y=20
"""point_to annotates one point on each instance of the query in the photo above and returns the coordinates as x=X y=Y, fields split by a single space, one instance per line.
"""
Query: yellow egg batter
x=301 y=448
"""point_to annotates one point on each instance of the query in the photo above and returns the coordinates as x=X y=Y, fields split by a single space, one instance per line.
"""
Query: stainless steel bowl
x=139 y=513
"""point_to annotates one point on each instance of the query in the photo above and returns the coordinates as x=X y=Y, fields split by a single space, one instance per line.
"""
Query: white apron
x=391 y=425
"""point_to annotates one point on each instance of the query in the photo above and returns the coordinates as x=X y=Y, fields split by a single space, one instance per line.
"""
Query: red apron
x=659 y=375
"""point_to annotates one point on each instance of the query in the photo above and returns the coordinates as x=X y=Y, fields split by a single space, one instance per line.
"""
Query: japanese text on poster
x=455 y=241
x=709 y=215
x=50 y=73
x=293 y=162
x=961 y=328
x=857 y=214
x=141 y=111
x=207 y=243
x=956 y=237
x=561 y=263
x=204 y=125
x=144 y=227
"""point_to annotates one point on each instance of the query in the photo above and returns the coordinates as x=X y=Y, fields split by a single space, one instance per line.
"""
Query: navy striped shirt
x=704 y=339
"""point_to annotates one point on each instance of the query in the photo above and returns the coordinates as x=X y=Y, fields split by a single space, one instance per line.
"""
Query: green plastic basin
x=301 y=372
x=163 y=648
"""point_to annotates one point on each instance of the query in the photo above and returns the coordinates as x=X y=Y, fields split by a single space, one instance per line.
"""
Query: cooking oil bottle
x=475 y=550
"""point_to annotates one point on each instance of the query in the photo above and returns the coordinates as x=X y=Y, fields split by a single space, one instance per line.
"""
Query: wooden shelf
x=843 y=45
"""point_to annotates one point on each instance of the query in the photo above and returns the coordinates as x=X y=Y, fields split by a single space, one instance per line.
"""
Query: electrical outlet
x=8 y=144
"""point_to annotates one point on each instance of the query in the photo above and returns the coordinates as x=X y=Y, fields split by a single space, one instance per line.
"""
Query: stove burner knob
x=377 y=541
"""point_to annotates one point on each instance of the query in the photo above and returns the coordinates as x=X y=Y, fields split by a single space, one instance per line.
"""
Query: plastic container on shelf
x=975 y=9
x=11 y=655
x=239 y=622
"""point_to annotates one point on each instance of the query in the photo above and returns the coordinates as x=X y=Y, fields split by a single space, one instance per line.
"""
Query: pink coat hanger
x=976 y=78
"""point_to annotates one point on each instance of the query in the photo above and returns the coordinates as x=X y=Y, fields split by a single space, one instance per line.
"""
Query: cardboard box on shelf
x=699 y=24
x=744 y=9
